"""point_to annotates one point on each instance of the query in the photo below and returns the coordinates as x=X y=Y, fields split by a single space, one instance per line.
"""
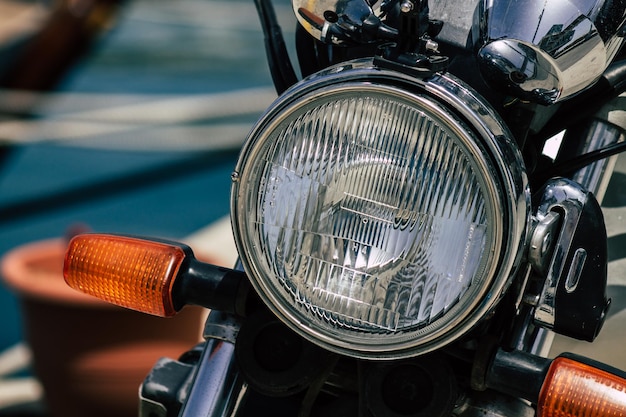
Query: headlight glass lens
x=367 y=217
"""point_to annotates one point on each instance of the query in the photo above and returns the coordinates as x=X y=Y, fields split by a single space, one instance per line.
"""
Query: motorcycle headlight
x=377 y=214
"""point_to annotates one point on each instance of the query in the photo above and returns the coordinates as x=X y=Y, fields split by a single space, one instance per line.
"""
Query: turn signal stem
x=213 y=287
x=517 y=373
x=152 y=276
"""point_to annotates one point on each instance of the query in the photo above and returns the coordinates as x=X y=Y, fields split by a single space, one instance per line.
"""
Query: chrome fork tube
x=218 y=389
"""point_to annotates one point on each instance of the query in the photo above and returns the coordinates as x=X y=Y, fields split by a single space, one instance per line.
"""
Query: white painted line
x=146 y=125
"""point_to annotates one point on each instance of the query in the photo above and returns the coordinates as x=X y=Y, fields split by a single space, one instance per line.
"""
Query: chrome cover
x=545 y=51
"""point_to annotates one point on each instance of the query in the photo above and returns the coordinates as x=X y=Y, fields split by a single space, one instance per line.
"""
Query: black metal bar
x=279 y=62
x=569 y=166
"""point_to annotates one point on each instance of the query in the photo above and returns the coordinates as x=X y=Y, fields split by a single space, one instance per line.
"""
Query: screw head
x=407 y=6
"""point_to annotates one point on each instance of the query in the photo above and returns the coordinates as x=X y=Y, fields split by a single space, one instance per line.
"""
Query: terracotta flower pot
x=89 y=356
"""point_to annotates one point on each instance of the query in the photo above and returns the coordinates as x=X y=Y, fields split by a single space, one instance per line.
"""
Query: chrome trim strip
x=217 y=388
x=570 y=198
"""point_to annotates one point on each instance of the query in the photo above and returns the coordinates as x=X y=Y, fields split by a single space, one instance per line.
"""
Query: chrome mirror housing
x=546 y=51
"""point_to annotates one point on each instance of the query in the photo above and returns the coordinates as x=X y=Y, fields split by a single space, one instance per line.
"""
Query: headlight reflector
x=369 y=217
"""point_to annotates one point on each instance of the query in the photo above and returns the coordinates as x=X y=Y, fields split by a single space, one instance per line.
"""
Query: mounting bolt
x=431 y=45
x=407 y=6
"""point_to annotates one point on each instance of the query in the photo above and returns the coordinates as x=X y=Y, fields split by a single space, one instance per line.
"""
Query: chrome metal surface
x=493 y=404
x=609 y=345
x=333 y=21
x=217 y=388
x=545 y=51
x=608 y=127
x=542 y=342
x=569 y=197
x=542 y=241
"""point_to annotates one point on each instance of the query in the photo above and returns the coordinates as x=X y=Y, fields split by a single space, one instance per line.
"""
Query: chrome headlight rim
x=494 y=141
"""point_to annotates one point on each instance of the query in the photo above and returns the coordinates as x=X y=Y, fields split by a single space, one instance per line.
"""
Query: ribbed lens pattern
x=369 y=214
x=131 y=273
x=574 y=389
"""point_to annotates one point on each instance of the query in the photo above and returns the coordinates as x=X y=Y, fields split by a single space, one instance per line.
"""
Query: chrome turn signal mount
x=151 y=276
x=568 y=248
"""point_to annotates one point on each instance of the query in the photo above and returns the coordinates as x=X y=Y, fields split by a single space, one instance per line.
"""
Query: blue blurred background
x=142 y=135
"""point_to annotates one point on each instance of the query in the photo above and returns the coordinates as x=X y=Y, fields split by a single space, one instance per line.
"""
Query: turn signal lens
x=573 y=388
x=132 y=273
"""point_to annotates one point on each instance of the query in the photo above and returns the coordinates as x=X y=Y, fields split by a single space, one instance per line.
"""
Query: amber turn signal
x=151 y=276
x=124 y=271
x=573 y=388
